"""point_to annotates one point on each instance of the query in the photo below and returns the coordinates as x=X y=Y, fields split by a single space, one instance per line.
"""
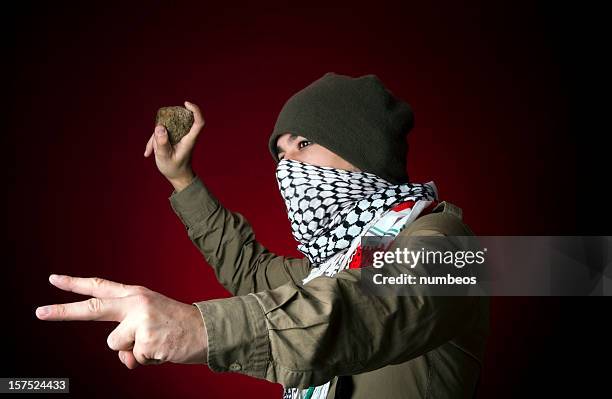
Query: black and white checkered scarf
x=329 y=207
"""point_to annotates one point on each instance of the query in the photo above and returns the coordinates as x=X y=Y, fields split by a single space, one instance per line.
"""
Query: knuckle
x=124 y=287
x=140 y=358
x=160 y=358
x=94 y=305
x=144 y=299
x=138 y=289
x=97 y=281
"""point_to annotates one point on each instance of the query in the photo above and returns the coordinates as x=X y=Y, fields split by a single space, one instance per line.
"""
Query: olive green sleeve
x=303 y=335
x=227 y=242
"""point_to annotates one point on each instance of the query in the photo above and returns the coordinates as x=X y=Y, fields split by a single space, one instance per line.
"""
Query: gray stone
x=177 y=120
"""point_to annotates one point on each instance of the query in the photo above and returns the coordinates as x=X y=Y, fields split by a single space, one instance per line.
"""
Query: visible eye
x=300 y=146
x=302 y=142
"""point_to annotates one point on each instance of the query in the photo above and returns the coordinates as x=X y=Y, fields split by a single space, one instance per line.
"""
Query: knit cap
x=355 y=117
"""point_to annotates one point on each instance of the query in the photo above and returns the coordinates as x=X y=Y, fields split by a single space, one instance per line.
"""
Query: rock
x=177 y=120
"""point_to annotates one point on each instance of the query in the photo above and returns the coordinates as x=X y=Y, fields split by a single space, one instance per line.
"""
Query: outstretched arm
x=293 y=335
x=225 y=239
x=300 y=336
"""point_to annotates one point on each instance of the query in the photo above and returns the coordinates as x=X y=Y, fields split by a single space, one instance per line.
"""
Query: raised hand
x=174 y=162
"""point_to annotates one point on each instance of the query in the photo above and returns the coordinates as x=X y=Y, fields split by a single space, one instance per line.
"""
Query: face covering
x=328 y=207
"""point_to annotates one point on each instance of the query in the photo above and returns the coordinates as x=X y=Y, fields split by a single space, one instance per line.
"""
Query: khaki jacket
x=297 y=335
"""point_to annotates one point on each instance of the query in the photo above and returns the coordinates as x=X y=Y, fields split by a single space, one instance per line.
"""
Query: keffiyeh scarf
x=330 y=209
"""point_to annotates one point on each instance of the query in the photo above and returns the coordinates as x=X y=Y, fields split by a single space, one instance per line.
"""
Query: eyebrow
x=292 y=138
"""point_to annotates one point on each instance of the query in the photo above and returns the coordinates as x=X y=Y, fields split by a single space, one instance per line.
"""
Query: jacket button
x=235 y=366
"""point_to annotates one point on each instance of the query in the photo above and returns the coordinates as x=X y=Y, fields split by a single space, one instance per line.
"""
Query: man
x=306 y=323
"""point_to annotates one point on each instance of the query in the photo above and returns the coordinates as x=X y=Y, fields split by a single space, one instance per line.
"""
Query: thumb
x=161 y=143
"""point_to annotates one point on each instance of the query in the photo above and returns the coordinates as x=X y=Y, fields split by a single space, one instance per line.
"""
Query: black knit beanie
x=356 y=118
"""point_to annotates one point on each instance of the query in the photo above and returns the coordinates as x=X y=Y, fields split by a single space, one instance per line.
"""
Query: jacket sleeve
x=227 y=242
x=304 y=335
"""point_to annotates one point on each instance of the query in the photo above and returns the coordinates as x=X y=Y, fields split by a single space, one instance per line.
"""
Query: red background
x=500 y=125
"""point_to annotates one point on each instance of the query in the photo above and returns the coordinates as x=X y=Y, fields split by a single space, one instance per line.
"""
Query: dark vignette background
x=508 y=122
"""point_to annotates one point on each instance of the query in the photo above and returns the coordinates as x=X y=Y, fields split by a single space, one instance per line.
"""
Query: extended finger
x=92 y=286
x=101 y=309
